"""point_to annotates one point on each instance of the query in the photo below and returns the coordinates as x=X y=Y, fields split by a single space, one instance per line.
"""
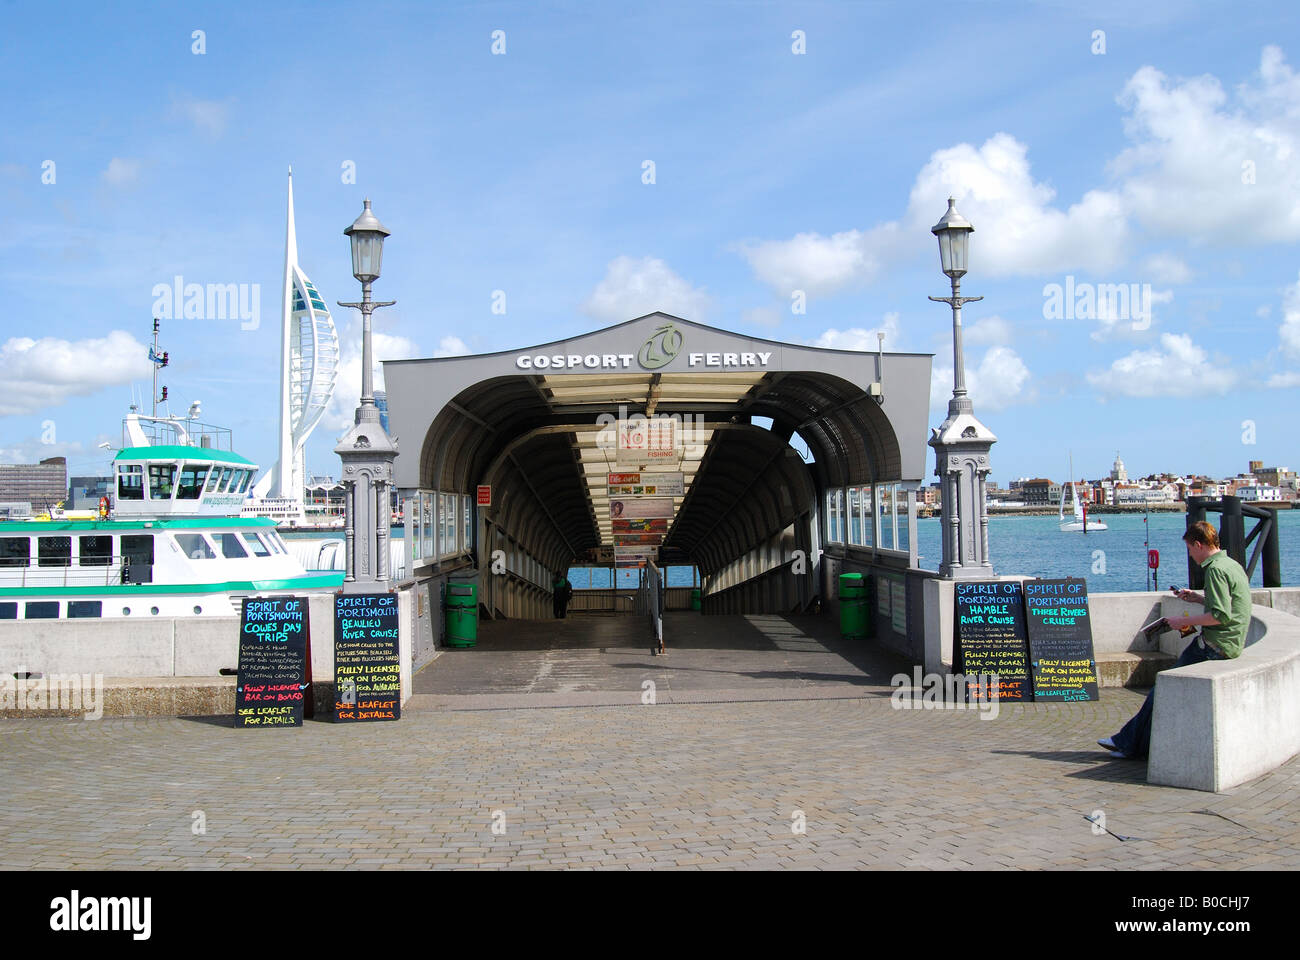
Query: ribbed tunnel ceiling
x=542 y=432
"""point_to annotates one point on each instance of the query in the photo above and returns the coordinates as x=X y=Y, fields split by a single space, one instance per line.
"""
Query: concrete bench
x=1221 y=723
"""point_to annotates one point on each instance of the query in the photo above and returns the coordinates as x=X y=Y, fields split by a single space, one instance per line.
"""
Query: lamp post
x=961 y=443
x=366 y=450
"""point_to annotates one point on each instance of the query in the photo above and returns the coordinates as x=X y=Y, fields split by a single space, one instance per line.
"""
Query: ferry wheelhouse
x=171 y=544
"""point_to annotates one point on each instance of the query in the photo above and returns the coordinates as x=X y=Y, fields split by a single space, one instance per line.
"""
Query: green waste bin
x=462 y=614
x=853 y=606
x=697 y=599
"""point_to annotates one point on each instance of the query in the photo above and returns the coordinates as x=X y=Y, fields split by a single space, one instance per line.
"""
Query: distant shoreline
x=1109 y=509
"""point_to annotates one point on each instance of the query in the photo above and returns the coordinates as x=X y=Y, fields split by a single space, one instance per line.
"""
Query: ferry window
x=225 y=478
x=130 y=482
x=15 y=552
x=8 y=611
x=85 y=608
x=95 y=551
x=137 y=559
x=243 y=484
x=276 y=543
x=195 y=546
x=213 y=477
x=191 y=485
x=231 y=548
x=256 y=545
x=162 y=476
x=43 y=610
x=54 y=552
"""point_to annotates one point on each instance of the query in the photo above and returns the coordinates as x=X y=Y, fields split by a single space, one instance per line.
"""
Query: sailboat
x=1080 y=522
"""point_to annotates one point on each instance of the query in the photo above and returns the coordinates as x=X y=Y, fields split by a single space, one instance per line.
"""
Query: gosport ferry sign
x=660 y=349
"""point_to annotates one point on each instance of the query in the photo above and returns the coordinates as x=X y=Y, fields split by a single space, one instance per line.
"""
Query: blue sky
x=1171 y=160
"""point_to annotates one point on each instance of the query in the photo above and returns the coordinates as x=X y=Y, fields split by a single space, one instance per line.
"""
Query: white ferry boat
x=170 y=544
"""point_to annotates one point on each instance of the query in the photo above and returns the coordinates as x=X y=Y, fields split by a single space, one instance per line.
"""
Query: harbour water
x=1111 y=560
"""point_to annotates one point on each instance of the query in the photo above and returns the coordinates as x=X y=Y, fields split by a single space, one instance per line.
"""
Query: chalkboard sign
x=1060 y=640
x=990 y=621
x=272 y=682
x=367 y=667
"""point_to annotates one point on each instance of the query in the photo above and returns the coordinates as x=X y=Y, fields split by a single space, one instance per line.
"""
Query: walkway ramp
x=591 y=661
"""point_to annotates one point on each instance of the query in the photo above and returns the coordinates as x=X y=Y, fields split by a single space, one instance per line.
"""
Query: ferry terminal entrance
x=764 y=531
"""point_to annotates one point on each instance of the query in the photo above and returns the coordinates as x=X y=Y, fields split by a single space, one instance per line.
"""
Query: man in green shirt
x=1223 y=628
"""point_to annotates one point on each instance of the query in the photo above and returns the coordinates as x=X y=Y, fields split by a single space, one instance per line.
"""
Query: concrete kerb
x=1221 y=723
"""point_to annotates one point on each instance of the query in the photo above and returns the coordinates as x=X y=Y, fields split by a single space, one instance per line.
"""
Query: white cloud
x=996 y=383
x=1017 y=230
x=858 y=338
x=207 y=116
x=820 y=265
x=986 y=331
x=1178 y=368
x=1289 y=331
x=121 y=172
x=38 y=374
x=340 y=413
x=1166 y=268
x=1121 y=315
x=1290 y=379
x=449 y=347
x=1201 y=167
x=635 y=287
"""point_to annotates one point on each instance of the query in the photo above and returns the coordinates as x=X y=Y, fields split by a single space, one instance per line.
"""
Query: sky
x=767 y=168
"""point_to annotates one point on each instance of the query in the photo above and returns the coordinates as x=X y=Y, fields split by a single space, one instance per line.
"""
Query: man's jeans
x=1135 y=738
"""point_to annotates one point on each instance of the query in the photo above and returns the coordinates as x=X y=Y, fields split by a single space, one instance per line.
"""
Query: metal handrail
x=36 y=574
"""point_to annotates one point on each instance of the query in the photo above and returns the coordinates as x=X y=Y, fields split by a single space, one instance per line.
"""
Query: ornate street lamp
x=366 y=450
x=961 y=444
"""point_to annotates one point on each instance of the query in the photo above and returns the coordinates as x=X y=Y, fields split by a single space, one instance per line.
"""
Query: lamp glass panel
x=367 y=254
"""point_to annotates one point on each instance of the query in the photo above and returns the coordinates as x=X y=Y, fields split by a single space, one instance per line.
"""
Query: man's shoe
x=1108 y=743
x=1119 y=755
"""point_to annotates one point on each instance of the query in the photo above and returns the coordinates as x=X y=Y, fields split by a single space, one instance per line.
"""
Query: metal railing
x=108 y=571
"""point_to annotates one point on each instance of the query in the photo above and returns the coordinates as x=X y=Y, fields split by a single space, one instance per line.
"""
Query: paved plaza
x=769 y=745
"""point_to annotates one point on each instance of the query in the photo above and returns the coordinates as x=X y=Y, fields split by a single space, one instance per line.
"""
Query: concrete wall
x=1221 y=723
x=1117 y=619
x=176 y=647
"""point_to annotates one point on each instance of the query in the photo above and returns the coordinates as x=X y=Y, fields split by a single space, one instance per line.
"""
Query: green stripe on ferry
x=181 y=453
x=41 y=527
x=309 y=582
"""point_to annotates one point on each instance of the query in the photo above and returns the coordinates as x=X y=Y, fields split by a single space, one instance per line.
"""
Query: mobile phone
x=1174 y=588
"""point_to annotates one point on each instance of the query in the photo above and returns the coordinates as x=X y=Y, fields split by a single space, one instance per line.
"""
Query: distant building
x=43 y=485
x=1273 y=476
x=1117 y=471
x=84 y=492
x=1040 y=492
x=1260 y=492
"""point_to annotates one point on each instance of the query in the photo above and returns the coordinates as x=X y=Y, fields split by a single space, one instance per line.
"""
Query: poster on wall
x=898 y=605
x=642 y=440
x=647 y=484
x=640 y=508
x=621 y=526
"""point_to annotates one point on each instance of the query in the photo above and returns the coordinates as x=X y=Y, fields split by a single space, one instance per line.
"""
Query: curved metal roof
x=535 y=434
